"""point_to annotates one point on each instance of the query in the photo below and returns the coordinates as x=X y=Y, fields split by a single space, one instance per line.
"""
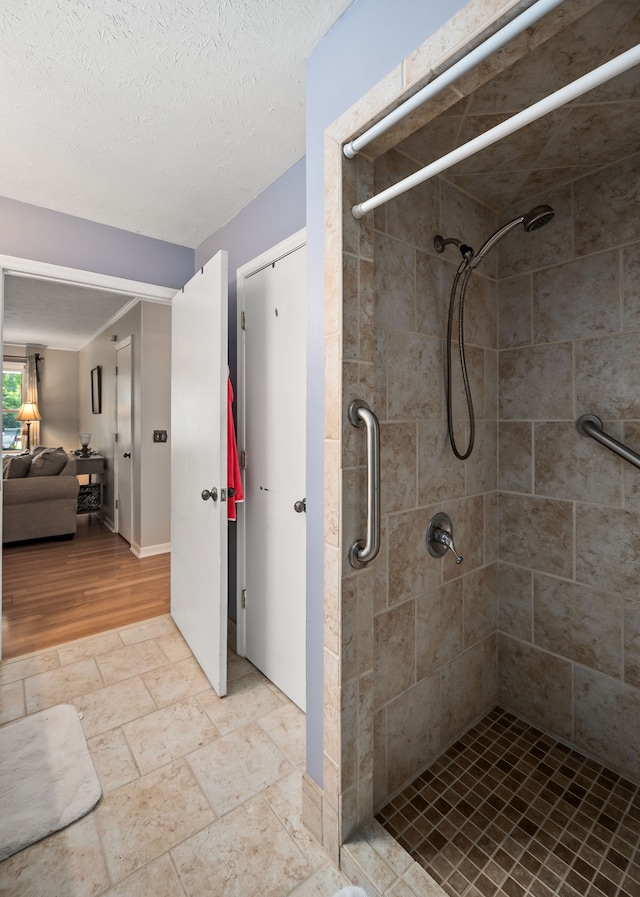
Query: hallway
x=201 y=795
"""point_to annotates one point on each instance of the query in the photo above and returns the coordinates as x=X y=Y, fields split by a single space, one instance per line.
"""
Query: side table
x=90 y=494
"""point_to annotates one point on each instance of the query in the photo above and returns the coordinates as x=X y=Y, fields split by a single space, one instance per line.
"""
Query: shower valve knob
x=445 y=538
x=440 y=537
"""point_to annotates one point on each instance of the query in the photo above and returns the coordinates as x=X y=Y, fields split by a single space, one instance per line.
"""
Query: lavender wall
x=366 y=43
x=32 y=232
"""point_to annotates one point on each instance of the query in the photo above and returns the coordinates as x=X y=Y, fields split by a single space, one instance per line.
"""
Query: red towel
x=234 y=475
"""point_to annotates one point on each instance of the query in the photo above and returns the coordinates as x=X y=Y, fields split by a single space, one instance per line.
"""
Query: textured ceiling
x=162 y=118
x=46 y=313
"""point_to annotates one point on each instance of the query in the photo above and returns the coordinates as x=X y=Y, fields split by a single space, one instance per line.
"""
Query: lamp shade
x=28 y=411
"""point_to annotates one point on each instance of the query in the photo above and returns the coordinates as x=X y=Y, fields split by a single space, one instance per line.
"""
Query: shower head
x=537 y=217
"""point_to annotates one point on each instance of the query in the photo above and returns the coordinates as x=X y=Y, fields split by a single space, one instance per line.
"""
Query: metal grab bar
x=590 y=425
x=360 y=553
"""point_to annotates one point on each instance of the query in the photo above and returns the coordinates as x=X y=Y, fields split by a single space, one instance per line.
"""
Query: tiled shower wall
x=423 y=629
x=569 y=509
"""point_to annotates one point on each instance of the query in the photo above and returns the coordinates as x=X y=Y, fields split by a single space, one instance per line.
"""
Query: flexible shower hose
x=463 y=362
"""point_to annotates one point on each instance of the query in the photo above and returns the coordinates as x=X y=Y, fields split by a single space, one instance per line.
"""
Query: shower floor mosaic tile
x=507 y=810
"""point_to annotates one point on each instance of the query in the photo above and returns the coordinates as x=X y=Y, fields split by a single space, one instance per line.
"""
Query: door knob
x=126 y=454
x=207 y=494
x=300 y=506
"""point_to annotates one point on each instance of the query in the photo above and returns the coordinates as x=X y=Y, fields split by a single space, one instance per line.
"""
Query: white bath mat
x=47 y=777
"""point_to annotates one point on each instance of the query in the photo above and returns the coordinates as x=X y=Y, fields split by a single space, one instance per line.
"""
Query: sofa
x=40 y=495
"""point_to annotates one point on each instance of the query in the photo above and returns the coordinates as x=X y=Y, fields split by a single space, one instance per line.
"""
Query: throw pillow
x=48 y=463
x=16 y=467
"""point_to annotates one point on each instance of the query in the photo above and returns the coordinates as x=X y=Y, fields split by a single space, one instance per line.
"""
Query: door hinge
x=243 y=460
x=116 y=503
x=243 y=321
x=116 y=370
x=243 y=601
x=115 y=439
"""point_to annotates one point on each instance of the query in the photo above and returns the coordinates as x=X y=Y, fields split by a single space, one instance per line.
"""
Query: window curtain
x=33 y=380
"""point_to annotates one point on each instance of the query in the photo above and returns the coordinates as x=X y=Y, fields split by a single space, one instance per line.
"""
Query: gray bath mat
x=47 y=777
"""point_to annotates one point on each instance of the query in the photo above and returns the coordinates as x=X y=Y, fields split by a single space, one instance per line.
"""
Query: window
x=14 y=378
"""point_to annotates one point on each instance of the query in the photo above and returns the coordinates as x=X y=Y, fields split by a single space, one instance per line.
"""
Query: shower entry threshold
x=508 y=810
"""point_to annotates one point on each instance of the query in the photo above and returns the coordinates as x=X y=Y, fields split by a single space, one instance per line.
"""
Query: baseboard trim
x=150 y=550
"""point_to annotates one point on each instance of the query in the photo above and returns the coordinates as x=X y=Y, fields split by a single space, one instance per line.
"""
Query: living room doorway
x=79 y=280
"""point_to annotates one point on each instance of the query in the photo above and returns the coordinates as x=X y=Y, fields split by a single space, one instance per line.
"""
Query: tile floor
x=510 y=811
x=201 y=795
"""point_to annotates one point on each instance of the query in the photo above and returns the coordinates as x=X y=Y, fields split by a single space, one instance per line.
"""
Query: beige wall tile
x=475 y=358
x=411 y=217
x=631 y=286
x=571 y=466
x=439 y=627
x=605 y=377
x=463 y=685
x=578 y=299
x=515 y=453
x=608 y=548
x=395 y=284
x=350 y=307
x=398 y=467
x=491 y=685
x=366 y=311
x=481 y=312
x=480 y=604
x=536 y=685
x=607 y=720
x=631 y=481
x=490 y=527
x=434 y=279
x=515 y=311
x=515 y=601
x=579 y=623
x=414 y=372
x=440 y=474
x=331 y=713
x=617 y=219
x=632 y=642
x=482 y=466
x=550 y=368
x=413 y=731
x=412 y=570
x=536 y=531
x=394 y=658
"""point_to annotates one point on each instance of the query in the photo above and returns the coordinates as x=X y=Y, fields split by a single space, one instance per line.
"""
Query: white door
x=122 y=448
x=199 y=468
x=272 y=295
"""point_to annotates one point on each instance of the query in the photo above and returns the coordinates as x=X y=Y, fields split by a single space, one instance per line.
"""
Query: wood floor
x=54 y=592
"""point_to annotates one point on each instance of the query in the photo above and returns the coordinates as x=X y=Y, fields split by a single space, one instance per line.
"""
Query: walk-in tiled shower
x=542 y=617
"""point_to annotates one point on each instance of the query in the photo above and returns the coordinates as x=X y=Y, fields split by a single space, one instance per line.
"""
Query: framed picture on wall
x=96 y=389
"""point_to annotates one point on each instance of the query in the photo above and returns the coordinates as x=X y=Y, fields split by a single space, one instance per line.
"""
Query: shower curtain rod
x=553 y=101
x=475 y=56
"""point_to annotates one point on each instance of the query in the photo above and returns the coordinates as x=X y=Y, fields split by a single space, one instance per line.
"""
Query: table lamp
x=85 y=439
x=28 y=413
